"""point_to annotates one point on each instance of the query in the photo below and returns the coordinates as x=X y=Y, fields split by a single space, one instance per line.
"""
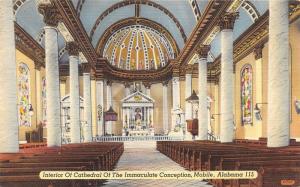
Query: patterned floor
x=143 y=156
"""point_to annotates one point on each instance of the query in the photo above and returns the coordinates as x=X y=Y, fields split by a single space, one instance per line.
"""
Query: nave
x=144 y=157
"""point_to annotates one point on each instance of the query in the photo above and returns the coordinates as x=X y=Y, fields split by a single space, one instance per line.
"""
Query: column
x=127 y=89
x=176 y=92
x=278 y=75
x=87 y=102
x=188 y=92
x=258 y=87
x=38 y=82
x=75 y=125
x=148 y=87
x=52 y=74
x=202 y=88
x=9 y=135
x=226 y=79
x=108 y=105
x=100 y=109
x=63 y=83
x=165 y=107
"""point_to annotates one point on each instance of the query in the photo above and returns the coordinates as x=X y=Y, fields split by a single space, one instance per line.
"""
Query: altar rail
x=137 y=138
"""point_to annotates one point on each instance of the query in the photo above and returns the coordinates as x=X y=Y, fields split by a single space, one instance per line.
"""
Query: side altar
x=137 y=115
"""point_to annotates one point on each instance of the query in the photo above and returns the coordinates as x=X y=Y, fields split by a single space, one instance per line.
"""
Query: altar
x=137 y=115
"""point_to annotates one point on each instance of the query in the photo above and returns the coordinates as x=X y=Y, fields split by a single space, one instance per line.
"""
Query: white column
x=127 y=89
x=100 y=104
x=108 y=105
x=74 y=93
x=51 y=19
x=278 y=75
x=87 y=107
x=9 y=134
x=202 y=88
x=188 y=93
x=226 y=79
x=165 y=108
x=258 y=88
x=176 y=92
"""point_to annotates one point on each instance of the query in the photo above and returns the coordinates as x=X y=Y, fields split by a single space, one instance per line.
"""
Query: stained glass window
x=44 y=101
x=24 y=95
x=246 y=94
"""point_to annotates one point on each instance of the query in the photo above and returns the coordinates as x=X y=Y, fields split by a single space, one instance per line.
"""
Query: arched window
x=24 y=103
x=44 y=101
x=246 y=94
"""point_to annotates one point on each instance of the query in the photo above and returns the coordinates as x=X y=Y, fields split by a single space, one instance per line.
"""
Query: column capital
x=147 y=85
x=127 y=84
x=189 y=69
x=227 y=20
x=37 y=66
x=109 y=83
x=72 y=48
x=63 y=78
x=258 y=52
x=202 y=50
x=50 y=13
x=86 y=67
x=165 y=83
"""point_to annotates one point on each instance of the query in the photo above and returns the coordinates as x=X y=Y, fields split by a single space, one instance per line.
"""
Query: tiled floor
x=144 y=156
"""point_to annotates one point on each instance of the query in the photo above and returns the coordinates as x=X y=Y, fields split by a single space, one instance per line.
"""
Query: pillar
x=52 y=74
x=226 y=80
x=258 y=87
x=278 y=75
x=202 y=88
x=148 y=87
x=188 y=92
x=127 y=89
x=38 y=81
x=165 y=107
x=87 y=104
x=9 y=141
x=75 y=125
x=108 y=105
x=100 y=109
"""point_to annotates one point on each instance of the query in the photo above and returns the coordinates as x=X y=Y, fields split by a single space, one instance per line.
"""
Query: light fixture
x=257 y=111
x=193 y=98
x=212 y=116
x=297 y=106
x=30 y=110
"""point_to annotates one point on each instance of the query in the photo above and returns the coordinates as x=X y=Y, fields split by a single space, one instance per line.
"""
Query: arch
x=246 y=94
x=251 y=10
x=17 y=5
x=144 y=2
x=24 y=95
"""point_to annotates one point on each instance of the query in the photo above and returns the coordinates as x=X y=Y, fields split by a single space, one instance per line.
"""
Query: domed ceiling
x=138 y=47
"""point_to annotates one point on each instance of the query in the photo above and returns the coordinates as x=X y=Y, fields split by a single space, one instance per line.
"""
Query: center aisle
x=143 y=156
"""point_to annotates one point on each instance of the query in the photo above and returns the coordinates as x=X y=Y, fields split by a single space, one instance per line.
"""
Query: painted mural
x=24 y=95
x=246 y=94
x=44 y=101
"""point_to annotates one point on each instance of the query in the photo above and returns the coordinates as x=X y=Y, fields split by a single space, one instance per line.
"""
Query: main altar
x=137 y=115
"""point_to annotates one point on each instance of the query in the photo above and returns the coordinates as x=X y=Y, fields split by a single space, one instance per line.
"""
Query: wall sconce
x=212 y=116
x=297 y=106
x=30 y=110
x=257 y=111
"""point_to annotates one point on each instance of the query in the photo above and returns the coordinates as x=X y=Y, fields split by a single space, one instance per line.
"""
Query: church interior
x=212 y=84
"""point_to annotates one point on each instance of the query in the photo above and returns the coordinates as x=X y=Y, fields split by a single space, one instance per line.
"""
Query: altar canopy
x=137 y=115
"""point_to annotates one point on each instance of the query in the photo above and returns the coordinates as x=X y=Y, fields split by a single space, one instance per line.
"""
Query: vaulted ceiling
x=178 y=17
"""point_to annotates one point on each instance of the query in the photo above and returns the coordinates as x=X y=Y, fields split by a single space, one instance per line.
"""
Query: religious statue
x=138 y=118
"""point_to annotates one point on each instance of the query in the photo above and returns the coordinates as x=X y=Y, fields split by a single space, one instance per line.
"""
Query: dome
x=138 y=47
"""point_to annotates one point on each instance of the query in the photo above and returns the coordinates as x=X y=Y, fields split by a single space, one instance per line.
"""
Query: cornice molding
x=27 y=45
